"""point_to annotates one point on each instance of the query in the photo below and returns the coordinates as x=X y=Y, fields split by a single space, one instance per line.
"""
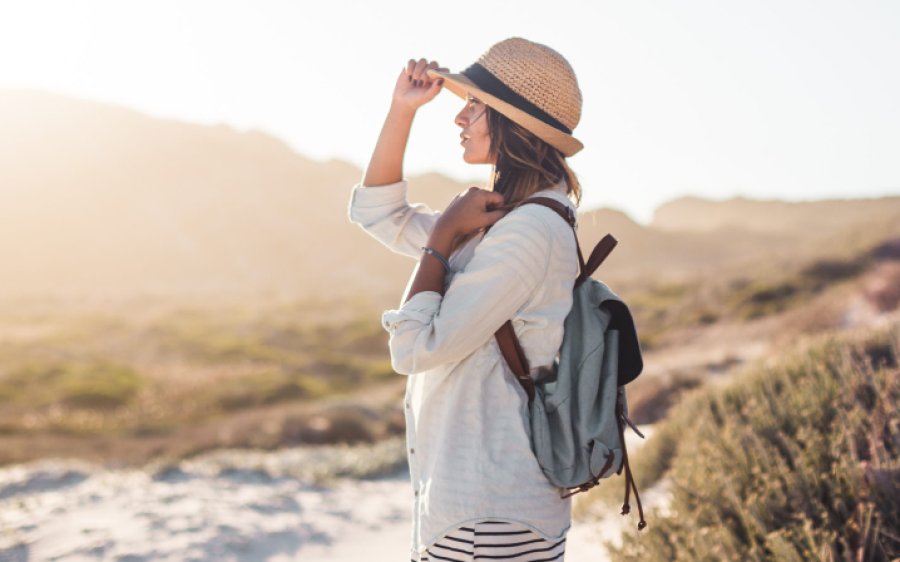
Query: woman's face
x=475 y=137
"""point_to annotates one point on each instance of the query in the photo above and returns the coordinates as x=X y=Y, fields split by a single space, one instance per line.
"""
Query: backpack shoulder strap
x=509 y=344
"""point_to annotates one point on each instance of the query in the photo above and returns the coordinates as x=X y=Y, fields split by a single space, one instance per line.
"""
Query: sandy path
x=66 y=513
x=207 y=509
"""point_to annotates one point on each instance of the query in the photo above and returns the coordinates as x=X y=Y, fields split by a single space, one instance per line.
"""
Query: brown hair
x=524 y=163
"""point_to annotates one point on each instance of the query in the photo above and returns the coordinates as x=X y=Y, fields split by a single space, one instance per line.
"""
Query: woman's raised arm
x=413 y=89
x=378 y=203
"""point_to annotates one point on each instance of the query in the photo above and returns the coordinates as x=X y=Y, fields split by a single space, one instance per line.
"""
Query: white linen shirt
x=467 y=426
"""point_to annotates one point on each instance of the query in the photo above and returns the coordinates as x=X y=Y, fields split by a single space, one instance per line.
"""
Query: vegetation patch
x=267 y=387
x=795 y=461
x=178 y=379
x=81 y=384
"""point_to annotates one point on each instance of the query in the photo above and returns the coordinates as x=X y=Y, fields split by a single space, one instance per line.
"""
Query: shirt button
x=412 y=450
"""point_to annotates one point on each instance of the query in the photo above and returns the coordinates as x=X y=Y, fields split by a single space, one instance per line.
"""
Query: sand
x=207 y=509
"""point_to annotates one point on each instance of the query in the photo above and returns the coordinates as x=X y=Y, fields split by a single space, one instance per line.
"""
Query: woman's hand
x=414 y=88
x=469 y=212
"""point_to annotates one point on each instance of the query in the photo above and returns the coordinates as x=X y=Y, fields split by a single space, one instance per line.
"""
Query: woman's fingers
x=472 y=210
x=424 y=74
x=492 y=198
x=483 y=204
x=415 y=75
x=410 y=67
x=414 y=86
x=418 y=70
x=411 y=71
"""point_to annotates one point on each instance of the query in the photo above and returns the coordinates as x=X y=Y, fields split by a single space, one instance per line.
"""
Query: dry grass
x=798 y=460
x=165 y=380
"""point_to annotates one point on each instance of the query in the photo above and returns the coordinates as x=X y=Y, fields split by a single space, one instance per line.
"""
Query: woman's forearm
x=429 y=275
x=386 y=165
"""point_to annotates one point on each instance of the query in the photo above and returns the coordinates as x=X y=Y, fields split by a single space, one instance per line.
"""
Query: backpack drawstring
x=595 y=478
x=622 y=419
x=630 y=484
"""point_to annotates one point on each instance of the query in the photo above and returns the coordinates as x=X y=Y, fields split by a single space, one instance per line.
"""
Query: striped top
x=467 y=426
x=494 y=540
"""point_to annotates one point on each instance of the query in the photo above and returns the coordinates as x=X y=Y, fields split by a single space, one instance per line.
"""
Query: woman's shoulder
x=535 y=215
x=531 y=227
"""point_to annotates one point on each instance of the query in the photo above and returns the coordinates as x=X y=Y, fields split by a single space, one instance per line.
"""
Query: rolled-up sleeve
x=506 y=269
x=385 y=213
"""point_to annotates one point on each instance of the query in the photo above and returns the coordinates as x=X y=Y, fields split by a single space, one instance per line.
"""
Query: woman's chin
x=469 y=159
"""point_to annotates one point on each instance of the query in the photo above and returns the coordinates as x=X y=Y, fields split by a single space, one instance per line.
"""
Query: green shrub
x=796 y=461
x=267 y=387
x=764 y=298
x=100 y=385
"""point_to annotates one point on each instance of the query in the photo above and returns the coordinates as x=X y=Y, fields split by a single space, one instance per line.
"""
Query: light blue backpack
x=578 y=408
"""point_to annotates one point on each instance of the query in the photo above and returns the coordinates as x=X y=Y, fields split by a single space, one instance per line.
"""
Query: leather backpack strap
x=515 y=357
x=506 y=336
x=601 y=250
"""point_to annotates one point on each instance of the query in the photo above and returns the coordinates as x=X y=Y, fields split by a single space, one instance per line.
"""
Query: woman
x=478 y=491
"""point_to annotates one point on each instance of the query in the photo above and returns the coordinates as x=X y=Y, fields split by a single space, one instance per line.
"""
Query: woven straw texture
x=537 y=73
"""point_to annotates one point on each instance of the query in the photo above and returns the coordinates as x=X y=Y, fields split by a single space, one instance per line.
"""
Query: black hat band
x=492 y=85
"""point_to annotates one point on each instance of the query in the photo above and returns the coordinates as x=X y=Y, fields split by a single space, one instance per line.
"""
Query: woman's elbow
x=399 y=363
x=406 y=362
x=414 y=351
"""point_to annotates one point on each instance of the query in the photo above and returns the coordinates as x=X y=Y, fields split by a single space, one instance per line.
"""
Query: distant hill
x=97 y=199
x=103 y=199
x=772 y=215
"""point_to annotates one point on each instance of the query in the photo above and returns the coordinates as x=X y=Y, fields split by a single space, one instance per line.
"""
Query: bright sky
x=793 y=99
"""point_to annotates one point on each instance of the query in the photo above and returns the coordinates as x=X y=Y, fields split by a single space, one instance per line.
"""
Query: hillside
x=132 y=204
x=102 y=201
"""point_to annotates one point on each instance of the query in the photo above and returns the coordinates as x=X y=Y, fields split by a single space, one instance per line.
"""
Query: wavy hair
x=524 y=163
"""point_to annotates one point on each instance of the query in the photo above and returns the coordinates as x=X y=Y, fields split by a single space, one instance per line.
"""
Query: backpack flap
x=631 y=362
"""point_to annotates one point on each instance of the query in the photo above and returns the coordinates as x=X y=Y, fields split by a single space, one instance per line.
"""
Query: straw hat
x=529 y=83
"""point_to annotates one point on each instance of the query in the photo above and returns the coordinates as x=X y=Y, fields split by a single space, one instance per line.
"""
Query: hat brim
x=461 y=85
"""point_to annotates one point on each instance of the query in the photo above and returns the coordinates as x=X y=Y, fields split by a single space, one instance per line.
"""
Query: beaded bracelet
x=440 y=258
